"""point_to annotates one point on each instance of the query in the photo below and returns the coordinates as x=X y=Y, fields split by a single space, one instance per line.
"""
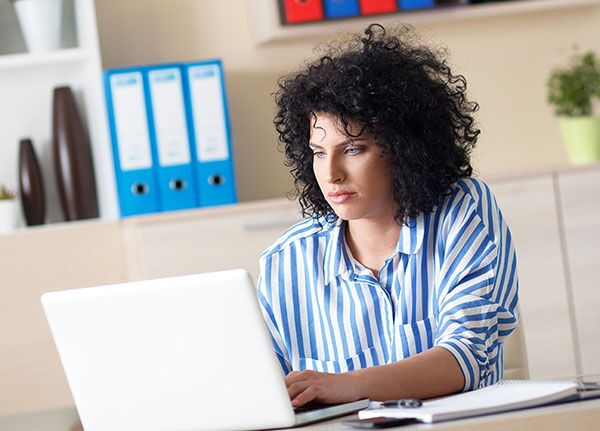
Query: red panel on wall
x=370 y=7
x=303 y=10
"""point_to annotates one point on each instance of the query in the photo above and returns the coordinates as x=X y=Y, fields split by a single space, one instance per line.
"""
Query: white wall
x=506 y=60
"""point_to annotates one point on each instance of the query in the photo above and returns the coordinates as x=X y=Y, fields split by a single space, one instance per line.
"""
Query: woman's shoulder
x=477 y=189
x=309 y=227
x=472 y=197
x=473 y=190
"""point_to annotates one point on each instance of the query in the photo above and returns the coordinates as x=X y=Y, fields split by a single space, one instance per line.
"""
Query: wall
x=506 y=60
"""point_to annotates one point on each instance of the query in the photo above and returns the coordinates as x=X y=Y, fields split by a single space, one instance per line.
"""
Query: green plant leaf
x=572 y=88
x=6 y=193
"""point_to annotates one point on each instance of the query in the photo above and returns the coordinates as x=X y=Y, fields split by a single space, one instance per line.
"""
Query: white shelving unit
x=26 y=86
x=65 y=55
x=267 y=27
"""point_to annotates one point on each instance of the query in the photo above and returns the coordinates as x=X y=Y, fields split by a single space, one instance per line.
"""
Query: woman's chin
x=346 y=213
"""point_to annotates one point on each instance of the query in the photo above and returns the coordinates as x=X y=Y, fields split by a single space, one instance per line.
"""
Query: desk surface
x=579 y=416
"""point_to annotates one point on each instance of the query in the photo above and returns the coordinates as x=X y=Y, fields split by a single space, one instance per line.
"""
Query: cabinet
x=26 y=109
x=33 y=262
x=580 y=210
x=210 y=240
x=555 y=221
x=529 y=206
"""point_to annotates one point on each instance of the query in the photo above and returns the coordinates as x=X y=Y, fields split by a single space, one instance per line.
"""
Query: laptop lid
x=181 y=353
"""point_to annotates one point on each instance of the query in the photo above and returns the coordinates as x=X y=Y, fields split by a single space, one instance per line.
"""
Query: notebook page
x=504 y=396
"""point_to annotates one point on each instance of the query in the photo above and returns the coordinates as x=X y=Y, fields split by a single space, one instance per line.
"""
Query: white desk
x=580 y=416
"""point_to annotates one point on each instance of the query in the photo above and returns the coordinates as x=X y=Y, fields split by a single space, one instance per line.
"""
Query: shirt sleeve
x=267 y=288
x=477 y=289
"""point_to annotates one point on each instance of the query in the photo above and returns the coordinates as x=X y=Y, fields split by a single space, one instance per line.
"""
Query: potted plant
x=40 y=22
x=9 y=210
x=572 y=91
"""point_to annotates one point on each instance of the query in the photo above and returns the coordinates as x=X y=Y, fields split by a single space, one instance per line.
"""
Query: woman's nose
x=335 y=171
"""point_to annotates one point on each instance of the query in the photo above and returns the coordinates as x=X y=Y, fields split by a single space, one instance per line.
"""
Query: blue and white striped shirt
x=451 y=282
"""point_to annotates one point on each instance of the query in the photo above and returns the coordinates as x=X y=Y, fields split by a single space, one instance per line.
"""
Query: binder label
x=169 y=117
x=131 y=121
x=206 y=94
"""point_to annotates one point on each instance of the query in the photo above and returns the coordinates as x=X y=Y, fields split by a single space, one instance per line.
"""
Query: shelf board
x=267 y=28
x=66 y=55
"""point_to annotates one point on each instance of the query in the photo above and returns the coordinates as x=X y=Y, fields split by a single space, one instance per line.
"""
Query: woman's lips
x=338 y=198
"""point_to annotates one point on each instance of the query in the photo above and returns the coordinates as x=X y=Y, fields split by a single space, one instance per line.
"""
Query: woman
x=402 y=282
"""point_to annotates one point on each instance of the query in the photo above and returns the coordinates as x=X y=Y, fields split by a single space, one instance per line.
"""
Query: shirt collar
x=411 y=235
x=337 y=260
x=337 y=257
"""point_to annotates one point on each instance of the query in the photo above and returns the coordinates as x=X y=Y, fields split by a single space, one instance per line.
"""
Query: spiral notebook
x=503 y=396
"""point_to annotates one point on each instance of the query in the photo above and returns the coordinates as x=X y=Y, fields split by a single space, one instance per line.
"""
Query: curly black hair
x=401 y=92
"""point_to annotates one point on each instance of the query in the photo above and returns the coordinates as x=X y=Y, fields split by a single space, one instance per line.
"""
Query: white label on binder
x=169 y=117
x=209 y=113
x=131 y=122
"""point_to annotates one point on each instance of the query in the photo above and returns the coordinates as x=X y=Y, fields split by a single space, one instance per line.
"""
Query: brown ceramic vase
x=72 y=159
x=31 y=185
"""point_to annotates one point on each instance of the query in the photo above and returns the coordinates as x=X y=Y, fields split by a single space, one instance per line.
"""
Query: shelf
x=67 y=55
x=27 y=81
x=267 y=27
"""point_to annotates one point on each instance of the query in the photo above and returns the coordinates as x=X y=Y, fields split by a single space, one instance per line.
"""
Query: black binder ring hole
x=177 y=184
x=216 y=180
x=139 y=189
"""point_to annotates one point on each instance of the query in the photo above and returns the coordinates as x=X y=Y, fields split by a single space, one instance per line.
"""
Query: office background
x=505 y=58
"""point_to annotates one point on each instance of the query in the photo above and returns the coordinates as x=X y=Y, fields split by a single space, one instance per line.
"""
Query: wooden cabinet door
x=529 y=207
x=206 y=240
x=580 y=196
x=36 y=261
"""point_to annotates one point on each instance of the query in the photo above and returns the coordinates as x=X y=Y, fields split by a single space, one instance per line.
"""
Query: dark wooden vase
x=72 y=159
x=31 y=185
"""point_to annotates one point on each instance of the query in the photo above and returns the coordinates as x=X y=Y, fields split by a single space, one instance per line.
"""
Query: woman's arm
x=426 y=375
x=432 y=373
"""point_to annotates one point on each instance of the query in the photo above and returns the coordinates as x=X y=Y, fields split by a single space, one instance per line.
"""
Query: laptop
x=180 y=353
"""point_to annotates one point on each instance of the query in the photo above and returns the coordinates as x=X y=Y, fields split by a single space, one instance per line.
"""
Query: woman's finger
x=298 y=376
x=305 y=397
x=296 y=388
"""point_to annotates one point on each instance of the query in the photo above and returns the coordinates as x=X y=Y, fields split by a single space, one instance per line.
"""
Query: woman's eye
x=319 y=154
x=352 y=151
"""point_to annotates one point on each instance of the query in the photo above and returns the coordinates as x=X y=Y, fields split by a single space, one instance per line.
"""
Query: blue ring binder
x=212 y=149
x=132 y=152
x=171 y=136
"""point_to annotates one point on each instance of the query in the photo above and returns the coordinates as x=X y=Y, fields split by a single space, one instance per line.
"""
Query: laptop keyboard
x=314 y=412
x=312 y=407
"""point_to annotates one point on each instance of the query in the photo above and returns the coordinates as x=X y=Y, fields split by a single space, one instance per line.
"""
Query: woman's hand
x=307 y=386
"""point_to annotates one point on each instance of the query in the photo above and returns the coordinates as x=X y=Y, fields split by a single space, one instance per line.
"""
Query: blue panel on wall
x=341 y=8
x=415 y=4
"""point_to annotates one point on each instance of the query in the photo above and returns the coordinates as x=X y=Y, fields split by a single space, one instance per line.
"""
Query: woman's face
x=352 y=172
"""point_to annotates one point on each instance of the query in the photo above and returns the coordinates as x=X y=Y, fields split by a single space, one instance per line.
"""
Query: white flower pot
x=40 y=22
x=10 y=215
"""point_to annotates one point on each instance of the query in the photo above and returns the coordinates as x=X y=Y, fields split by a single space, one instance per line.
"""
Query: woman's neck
x=372 y=241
